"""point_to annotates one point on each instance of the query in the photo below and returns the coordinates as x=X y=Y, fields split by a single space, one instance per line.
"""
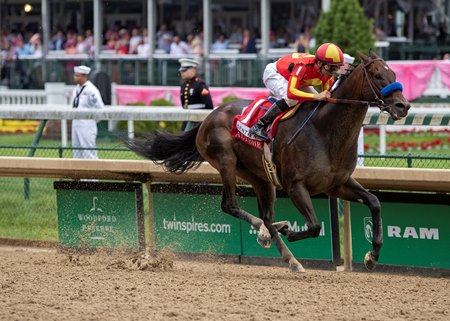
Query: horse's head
x=380 y=85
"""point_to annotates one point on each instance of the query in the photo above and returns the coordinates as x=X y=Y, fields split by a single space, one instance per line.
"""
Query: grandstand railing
x=218 y=69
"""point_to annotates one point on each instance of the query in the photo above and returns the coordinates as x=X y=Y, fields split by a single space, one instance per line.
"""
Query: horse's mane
x=344 y=77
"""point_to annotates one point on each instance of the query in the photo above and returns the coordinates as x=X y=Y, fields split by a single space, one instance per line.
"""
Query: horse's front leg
x=265 y=194
x=353 y=191
x=302 y=201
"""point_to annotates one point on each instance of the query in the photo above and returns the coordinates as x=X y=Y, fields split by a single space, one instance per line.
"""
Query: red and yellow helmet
x=330 y=54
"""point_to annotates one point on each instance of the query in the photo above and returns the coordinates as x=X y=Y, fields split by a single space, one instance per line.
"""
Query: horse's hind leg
x=265 y=193
x=353 y=191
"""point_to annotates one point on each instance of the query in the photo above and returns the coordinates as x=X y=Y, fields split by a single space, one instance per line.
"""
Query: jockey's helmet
x=330 y=54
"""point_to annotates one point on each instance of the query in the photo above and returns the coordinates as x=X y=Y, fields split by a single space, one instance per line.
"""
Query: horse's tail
x=177 y=152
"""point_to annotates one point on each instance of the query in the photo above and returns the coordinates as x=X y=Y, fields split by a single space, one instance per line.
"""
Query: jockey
x=292 y=78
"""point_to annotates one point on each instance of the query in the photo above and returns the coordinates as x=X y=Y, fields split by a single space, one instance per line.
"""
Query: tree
x=345 y=25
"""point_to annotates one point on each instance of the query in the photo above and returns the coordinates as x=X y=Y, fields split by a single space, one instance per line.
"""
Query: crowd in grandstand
x=134 y=41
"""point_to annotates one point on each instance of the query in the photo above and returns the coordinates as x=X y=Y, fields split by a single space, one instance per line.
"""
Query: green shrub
x=346 y=25
x=227 y=99
x=142 y=126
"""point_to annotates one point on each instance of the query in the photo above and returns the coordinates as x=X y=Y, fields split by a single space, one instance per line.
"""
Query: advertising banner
x=414 y=234
x=195 y=224
x=192 y=221
x=319 y=248
x=93 y=214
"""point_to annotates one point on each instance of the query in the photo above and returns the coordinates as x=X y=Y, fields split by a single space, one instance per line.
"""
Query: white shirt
x=179 y=49
x=89 y=98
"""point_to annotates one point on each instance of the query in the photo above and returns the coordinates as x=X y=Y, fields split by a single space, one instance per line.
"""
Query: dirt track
x=37 y=285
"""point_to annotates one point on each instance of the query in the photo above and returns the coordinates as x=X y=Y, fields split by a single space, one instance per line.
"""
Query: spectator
x=143 y=49
x=36 y=45
x=57 y=41
x=111 y=36
x=164 y=38
x=165 y=43
x=273 y=43
x=81 y=46
x=89 y=41
x=136 y=38
x=20 y=49
x=112 y=41
x=302 y=43
x=85 y=96
x=178 y=47
x=236 y=34
x=71 y=46
x=248 y=42
x=220 y=43
x=123 y=45
x=195 y=45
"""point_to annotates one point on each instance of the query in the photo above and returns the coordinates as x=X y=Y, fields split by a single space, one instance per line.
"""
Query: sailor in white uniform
x=84 y=96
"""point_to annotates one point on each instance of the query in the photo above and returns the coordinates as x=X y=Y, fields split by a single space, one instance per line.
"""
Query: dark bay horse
x=321 y=159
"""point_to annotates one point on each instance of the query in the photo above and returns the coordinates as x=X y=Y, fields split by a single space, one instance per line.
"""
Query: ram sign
x=414 y=234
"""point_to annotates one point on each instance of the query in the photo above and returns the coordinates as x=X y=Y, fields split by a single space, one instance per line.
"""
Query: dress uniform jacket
x=195 y=94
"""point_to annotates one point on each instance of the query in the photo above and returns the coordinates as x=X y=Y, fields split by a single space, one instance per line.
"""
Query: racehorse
x=321 y=159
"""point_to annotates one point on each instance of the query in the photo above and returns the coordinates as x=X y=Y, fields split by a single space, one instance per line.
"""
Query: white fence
x=54 y=103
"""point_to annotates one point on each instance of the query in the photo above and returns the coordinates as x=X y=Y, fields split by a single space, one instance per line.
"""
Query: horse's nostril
x=403 y=106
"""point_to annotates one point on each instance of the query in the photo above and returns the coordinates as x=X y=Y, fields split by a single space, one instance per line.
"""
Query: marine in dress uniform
x=194 y=93
x=85 y=96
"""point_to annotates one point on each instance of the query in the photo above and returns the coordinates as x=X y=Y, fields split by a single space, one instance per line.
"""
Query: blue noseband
x=389 y=89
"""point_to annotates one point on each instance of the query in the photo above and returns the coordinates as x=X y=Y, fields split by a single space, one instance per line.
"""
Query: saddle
x=250 y=116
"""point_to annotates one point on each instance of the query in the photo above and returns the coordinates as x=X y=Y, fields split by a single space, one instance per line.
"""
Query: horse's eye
x=378 y=76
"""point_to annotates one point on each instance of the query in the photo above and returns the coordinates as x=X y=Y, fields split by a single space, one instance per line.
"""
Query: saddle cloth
x=250 y=116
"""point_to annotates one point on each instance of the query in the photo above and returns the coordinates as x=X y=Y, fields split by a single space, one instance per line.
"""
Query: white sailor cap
x=187 y=63
x=82 y=70
x=348 y=59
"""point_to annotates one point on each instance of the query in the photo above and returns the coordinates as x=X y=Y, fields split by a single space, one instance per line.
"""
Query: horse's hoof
x=370 y=261
x=264 y=234
x=295 y=266
x=280 y=225
x=264 y=237
x=264 y=243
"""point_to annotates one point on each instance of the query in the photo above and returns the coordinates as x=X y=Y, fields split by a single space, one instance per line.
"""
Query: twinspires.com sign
x=189 y=222
x=414 y=234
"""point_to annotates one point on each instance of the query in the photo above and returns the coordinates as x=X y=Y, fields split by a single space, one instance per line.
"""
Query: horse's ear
x=372 y=54
x=363 y=57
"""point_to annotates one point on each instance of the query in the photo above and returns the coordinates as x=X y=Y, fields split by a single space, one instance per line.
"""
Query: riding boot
x=258 y=128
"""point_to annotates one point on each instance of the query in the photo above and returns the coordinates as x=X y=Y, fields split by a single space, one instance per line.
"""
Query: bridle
x=383 y=92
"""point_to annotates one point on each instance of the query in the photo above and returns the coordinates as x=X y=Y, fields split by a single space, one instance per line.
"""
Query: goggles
x=331 y=68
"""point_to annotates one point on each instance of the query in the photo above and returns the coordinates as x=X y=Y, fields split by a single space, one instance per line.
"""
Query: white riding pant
x=278 y=85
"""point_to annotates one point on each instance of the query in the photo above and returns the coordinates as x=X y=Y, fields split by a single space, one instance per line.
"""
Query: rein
x=385 y=91
x=349 y=101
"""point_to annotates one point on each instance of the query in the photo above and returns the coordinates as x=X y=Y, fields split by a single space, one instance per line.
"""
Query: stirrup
x=258 y=132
